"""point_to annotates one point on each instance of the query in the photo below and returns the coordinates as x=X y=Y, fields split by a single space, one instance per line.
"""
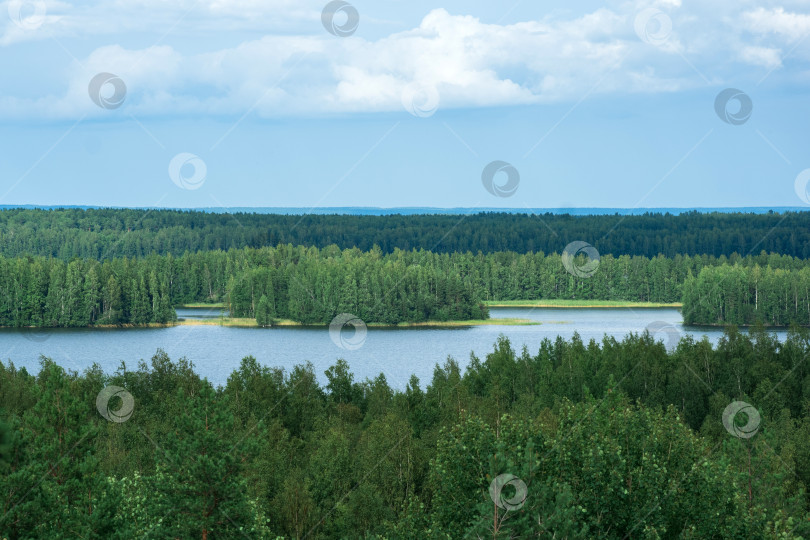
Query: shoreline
x=251 y=323
x=551 y=303
x=281 y=323
x=579 y=304
x=743 y=325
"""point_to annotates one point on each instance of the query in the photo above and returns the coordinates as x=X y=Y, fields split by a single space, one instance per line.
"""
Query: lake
x=216 y=351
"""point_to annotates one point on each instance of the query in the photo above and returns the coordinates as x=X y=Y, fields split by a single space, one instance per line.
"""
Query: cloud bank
x=285 y=63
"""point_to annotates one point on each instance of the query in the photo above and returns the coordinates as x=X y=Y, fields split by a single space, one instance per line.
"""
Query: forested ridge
x=313 y=285
x=111 y=233
x=611 y=439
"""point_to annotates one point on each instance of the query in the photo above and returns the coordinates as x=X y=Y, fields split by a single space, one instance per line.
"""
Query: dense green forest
x=376 y=289
x=739 y=294
x=611 y=439
x=302 y=284
x=313 y=285
x=110 y=233
x=76 y=267
x=618 y=439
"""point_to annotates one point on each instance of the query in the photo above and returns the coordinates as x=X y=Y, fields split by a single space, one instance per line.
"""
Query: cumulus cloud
x=469 y=62
x=58 y=19
x=775 y=33
x=761 y=56
x=777 y=21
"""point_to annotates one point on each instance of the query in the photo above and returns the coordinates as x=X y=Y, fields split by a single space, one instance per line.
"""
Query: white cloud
x=113 y=17
x=469 y=62
x=761 y=56
x=777 y=21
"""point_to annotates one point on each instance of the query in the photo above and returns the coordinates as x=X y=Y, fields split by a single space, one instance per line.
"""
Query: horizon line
x=481 y=208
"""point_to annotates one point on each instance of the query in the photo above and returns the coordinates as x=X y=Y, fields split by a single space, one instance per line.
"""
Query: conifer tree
x=71 y=496
x=199 y=486
x=263 y=311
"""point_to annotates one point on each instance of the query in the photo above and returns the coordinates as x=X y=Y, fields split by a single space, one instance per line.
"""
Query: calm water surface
x=216 y=351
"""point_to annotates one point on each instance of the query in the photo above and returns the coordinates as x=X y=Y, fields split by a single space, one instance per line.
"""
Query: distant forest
x=110 y=233
x=63 y=268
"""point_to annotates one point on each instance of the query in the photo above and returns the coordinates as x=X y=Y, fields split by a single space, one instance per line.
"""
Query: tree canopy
x=109 y=232
x=611 y=439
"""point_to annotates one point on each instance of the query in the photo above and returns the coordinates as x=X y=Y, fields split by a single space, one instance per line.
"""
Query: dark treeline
x=35 y=291
x=313 y=285
x=109 y=233
x=618 y=439
x=375 y=290
x=511 y=276
x=744 y=295
x=304 y=284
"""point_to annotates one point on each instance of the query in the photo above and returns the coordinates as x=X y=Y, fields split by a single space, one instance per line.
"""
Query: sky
x=392 y=103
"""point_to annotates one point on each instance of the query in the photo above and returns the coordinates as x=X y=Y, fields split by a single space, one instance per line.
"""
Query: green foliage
x=611 y=440
x=313 y=285
x=263 y=313
x=54 y=488
x=198 y=477
x=321 y=285
x=738 y=294
x=107 y=233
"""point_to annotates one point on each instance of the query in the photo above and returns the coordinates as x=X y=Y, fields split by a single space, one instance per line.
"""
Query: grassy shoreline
x=244 y=322
x=551 y=303
x=559 y=303
x=237 y=322
x=251 y=323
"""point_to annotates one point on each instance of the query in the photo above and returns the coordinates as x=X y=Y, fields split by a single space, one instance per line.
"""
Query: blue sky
x=595 y=105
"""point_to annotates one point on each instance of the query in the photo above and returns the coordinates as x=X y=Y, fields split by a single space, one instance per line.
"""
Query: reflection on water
x=200 y=313
x=398 y=353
